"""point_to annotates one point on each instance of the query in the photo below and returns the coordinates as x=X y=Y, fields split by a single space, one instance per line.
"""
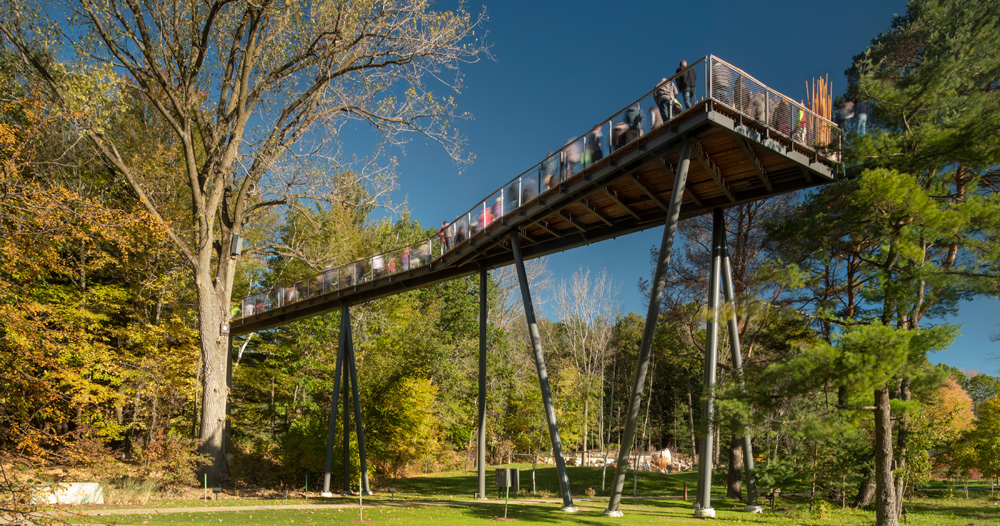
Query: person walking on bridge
x=664 y=96
x=445 y=236
x=686 y=83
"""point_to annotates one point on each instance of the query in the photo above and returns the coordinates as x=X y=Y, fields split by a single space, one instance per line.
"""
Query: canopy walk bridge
x=646 y=166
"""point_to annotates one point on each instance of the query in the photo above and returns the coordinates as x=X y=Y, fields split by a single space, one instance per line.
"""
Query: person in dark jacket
x=686 y=83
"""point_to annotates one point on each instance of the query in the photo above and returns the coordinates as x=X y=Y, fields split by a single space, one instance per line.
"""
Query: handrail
x=746 y=95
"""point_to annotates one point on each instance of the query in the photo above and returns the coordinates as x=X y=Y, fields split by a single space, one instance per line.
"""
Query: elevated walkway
x=748 y=142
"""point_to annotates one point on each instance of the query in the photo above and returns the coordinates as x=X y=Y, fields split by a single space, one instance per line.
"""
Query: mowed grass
x=446 y=498
x=933 y=513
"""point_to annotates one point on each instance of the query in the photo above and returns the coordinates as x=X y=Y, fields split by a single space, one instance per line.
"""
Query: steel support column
x=344 y=323
x=481 y=457
x=543 y=376
x=365 y=489
x=645 y=348
x=734 y=339
x=703 y=505
x=346 y=420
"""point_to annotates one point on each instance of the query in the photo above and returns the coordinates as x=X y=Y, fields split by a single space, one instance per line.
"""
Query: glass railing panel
x=512 y=196
x=548 y=172
x=595 y=144
x=391 y=262
x=479 y=217
x=626 y=126
x=345 y=276
x=248 y=306
x=572 y=157
x=529 y=187
x=303 y=290
x=497 y=205
x=461 y=231
x=406 y=259
x=650 y=114
x=360 y=272
x=328 y=279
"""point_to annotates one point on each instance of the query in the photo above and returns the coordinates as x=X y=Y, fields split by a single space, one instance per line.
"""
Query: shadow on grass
x=980 y=510
x=464 y=485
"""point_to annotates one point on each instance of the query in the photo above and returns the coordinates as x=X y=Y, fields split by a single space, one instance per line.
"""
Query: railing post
x=767 y=106
x=708 y=76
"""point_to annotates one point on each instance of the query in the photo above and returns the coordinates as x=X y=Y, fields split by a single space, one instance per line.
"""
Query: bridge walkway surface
x=740 y=143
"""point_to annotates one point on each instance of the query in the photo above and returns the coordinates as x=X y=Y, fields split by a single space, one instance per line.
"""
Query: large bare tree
x=588 y=308
x=247 y=90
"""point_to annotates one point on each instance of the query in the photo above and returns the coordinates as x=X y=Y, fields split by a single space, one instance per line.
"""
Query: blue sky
x=561 y=67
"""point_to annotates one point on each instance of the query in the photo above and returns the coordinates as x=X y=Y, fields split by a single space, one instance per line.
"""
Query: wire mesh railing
x=748 y=96
x=720 y=81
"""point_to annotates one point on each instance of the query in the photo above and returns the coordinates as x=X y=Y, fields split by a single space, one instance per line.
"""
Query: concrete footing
x=704 y=513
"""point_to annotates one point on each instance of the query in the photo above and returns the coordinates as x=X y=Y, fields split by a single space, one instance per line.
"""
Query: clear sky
x=563 y=66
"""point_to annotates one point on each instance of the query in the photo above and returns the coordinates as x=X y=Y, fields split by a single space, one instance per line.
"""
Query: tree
x=982 y=387
x=914 y=225
x=241 y=87
x=985 y=438
x=756 y=293
x=588 y=310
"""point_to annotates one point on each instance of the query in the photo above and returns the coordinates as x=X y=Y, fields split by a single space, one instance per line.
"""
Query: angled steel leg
x=645 y=348
x=358 y=425
x=481 y=470
x=734 y=339
x=543 y=376
x=704 y=502
x=344 y=323
x=347 y=420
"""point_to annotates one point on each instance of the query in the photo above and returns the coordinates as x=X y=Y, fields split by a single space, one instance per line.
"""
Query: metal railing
x=748 y=96
x=728 y=85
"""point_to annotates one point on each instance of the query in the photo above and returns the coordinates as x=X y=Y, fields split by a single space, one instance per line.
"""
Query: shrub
x=170 y=460
x=821 y=508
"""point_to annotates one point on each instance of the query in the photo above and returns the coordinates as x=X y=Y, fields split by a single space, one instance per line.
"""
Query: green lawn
x=933 y=512
x=433 y=500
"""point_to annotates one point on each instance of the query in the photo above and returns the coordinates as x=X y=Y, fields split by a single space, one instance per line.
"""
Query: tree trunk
x=866 y=492
x=734 y=481
x=904 y=428
x=214 y=312
x=885 y=494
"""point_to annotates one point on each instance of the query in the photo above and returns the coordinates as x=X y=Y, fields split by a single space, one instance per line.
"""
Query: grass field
x=447 y=499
